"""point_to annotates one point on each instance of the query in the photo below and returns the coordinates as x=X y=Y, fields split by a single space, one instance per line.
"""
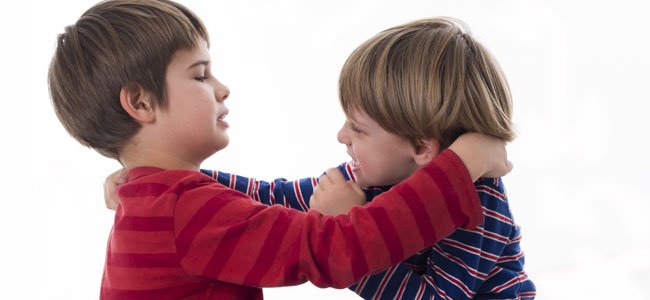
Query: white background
x=579 y=76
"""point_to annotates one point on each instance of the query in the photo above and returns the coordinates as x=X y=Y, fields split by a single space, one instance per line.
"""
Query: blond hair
x=114 y=45
x=428 y=79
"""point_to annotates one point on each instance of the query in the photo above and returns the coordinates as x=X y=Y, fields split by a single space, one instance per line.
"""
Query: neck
x=133 y=156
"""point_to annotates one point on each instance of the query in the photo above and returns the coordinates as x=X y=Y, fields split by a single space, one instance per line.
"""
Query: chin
x=216 y=146
x=361 y=182
x=365 y=183
x=222 y=142
x=221 y=147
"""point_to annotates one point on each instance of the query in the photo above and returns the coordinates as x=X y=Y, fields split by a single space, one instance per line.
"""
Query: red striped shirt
x=179 y=234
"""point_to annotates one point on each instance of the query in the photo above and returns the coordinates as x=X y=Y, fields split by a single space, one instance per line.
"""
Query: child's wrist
x=472 y=162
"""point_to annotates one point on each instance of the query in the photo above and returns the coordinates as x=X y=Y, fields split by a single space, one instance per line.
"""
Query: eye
x=354 y=128
x=201 y=78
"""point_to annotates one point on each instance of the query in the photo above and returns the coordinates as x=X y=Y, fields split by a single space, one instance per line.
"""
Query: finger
x=106 y=201
x=122 y=177
x=335 y=175
x=328 y=179
x=108 y=198
x=317 y=191
x=323 y=182
x=357 y=190
x=353 y=185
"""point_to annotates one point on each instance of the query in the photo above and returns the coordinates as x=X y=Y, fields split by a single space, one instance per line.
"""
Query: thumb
x=122 y=177
x=356 y=189
x=312 y=201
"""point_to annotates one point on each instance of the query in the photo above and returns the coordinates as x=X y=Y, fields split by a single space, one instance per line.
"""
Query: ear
x=138 y=103
x=425 y=151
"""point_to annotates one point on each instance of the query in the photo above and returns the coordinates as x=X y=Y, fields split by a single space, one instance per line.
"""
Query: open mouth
x=355 y=165
x=221 y=120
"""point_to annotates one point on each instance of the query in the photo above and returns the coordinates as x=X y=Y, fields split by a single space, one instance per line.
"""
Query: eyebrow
x=357 y=124
x=198 y=63
x=353 y=119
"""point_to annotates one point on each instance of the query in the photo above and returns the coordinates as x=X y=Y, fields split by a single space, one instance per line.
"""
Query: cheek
x=370 y=160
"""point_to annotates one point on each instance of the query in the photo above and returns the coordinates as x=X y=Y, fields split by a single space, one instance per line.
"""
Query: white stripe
x=455 y=281
x=473 y=272
x=402 y=286
x=361 y=285
x=271 y=195
x=497 y=216
x=492 y=192
x=429 y=280
x=298 y=193
x=384 y=282
x=470 y=249
x=508 y=284
x=480 y=230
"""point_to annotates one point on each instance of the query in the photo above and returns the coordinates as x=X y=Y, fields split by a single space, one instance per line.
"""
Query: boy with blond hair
x=132 y=80
x=408 y=92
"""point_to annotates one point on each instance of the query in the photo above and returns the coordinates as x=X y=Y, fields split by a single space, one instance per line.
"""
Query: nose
x=343 y=136
x=221 y=91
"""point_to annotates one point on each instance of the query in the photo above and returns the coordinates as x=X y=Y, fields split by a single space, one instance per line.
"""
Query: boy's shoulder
x=155 y=181
x=173 y=193
x=492 y=193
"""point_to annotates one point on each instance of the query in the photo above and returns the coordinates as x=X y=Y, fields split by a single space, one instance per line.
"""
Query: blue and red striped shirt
x=485 y=262
x=179 y=234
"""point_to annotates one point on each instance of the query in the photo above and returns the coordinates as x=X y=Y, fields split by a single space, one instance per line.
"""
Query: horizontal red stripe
x=494 y=272
x=511 y=257
x=460 y=262
x=491 y=191
x=144 y=223
x=141 y=190
x=495 y=237
x=498 y=216
x=506 y=285
x=136 y=260
x=174 y=292
x=471 y=249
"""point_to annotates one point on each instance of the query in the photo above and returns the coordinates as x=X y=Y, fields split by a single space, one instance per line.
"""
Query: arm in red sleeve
x=223 y=235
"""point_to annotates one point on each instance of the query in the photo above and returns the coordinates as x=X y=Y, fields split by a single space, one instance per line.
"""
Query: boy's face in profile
x=379 y=157
x=192 y=126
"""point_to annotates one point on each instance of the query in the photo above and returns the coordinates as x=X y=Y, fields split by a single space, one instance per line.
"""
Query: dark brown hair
x=116 y=44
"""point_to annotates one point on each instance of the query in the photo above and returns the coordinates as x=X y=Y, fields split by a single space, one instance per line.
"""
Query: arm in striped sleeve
x=222 y=235
x=294 y=194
